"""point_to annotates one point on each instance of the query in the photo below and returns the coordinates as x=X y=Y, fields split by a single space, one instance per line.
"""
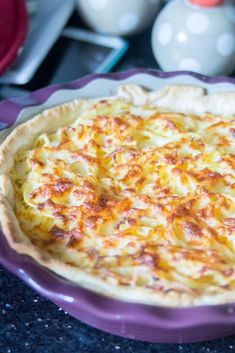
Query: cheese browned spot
x=136 y=196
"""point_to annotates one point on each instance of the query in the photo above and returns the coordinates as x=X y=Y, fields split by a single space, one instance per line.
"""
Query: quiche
x=130 y=196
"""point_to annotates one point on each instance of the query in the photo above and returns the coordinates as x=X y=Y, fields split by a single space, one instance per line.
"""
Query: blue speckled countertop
x=31 y=323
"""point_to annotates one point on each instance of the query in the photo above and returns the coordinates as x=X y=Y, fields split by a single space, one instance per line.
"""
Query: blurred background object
x=32 y=6
x=46 y=22
x=60 y=46
x=13 y=29
x=118 y=17
x=56 y=53
x=196 y=35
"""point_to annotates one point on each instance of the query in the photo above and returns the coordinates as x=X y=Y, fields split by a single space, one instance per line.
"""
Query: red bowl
x=13 y=29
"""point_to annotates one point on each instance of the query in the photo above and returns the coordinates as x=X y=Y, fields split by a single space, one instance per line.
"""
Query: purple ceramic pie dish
x=137 y=321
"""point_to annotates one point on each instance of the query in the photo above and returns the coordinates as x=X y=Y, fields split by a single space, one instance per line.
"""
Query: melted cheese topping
x=136 y=196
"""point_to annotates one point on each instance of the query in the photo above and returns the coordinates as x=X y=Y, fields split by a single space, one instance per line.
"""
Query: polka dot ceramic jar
x=197 y=36
x=118 y=17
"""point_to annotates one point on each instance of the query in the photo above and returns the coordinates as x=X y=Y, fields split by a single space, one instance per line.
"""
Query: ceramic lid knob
x=207 y=3
x=196 y=35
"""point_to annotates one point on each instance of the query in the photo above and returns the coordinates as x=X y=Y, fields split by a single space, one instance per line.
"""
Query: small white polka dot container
x=118 y=17
x=201 y=38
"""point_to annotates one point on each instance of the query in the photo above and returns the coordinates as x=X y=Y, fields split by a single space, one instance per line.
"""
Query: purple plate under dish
x=136 y=321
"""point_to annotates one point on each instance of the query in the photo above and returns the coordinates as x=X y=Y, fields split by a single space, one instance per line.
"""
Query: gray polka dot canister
x=118 y=17
x=196 y=35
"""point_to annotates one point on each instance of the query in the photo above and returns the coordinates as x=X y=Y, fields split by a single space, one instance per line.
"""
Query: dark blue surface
x=30 y=323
